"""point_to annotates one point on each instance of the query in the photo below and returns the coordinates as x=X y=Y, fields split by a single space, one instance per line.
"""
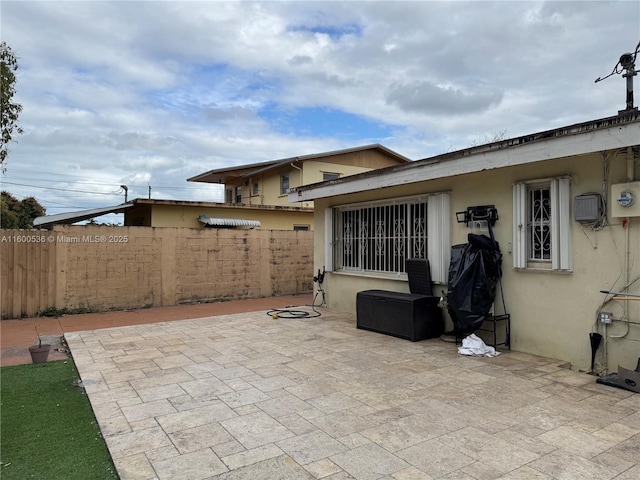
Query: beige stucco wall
x=187 y=216
x=552 y=313
x=271 y=185
x=311 y=171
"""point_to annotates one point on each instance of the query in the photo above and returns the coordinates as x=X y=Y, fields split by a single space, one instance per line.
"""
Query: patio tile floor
x=244 y=396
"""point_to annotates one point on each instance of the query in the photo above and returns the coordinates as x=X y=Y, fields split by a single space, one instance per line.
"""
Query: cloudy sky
x=149 y=93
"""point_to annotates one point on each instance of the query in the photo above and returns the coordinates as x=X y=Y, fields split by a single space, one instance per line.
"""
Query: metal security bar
x=539 y=224
x=379 y=238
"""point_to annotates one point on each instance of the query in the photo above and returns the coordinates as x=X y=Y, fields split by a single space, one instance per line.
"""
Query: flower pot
x=39 y=353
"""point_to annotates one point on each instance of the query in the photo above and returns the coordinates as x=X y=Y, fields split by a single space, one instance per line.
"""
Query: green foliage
x=93 y=221
x=48 y=426
x=19 y=214
x=59 y=312
x=9 y=109
x=8 y=215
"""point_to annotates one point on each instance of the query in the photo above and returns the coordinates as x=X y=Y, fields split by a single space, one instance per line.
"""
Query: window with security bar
x=542 y=224
x=539 y=223
x=379 y=238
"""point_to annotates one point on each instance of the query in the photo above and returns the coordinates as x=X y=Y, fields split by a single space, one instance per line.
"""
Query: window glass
x=284 y=184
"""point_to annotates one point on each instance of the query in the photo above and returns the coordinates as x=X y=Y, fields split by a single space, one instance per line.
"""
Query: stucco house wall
x=308 y=172
x=170 y=213
x=552 y=312
x=260 y=183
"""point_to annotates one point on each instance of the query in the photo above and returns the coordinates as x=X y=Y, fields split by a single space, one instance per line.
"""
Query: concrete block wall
x=220 y=265
x=109 y=268
x=109 y=274
x=290 y=256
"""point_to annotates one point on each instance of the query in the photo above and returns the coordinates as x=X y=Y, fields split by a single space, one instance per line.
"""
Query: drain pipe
x=627 y=244
x=630 y=165
x=300 y=170
x=627 y=268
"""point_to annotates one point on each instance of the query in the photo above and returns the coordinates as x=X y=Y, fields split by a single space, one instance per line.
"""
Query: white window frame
x=327 y=176
x=558 y=222
x=437 y=238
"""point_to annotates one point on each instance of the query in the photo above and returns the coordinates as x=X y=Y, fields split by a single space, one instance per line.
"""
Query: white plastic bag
x=473 y=345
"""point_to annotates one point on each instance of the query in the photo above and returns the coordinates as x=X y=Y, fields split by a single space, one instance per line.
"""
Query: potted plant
x=40 y=352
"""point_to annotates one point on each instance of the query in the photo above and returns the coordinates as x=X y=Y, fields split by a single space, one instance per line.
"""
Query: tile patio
x=244 y=396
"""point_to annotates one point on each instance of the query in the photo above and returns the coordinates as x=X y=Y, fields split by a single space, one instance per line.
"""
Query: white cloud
x=156 y=92
x=430 y=99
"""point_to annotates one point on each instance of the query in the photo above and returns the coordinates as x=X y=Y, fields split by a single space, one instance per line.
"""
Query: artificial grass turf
x=48 y=427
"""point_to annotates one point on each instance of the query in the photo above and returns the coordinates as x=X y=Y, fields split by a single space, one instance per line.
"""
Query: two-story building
x=268 y=183
x=255 y=194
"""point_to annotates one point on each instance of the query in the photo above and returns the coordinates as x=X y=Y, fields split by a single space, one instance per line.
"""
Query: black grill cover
x=473 y=275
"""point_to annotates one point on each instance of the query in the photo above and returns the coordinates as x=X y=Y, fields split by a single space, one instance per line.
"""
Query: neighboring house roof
x=222 y=175
x=598 y=135
x=68 y=218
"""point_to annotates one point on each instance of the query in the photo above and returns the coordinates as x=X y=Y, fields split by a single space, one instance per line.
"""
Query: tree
x=8 y=215
x=19 y=214
x=477 y=142
x=93 y=221
x=10 y=110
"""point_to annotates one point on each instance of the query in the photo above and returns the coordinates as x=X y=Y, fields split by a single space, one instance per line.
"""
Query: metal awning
x=228 y=222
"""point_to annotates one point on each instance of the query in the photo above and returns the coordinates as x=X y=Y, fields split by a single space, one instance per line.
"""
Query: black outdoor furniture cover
x=473 y=275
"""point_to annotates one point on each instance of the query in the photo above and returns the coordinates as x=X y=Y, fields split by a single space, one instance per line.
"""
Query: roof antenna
x=627 y=62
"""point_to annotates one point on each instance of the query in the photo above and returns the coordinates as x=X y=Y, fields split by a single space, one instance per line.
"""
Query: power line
x=59 y=189
x=60 y=205
x=166 y=187
x=47 y=202
x=49 y=174
x=54 y=181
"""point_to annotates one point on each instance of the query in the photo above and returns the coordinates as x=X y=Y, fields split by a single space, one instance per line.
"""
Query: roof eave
x=263 y=167
x=228 y=170
x=546 y=146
